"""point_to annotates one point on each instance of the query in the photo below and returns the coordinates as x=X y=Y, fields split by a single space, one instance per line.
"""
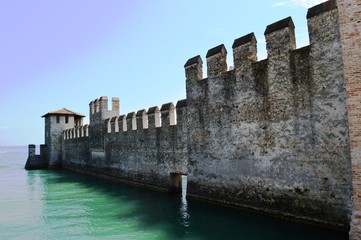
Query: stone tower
x=98 y=112
x=55 y=123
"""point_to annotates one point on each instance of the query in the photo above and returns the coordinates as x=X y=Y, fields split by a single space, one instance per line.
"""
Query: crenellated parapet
x=76 y=132
x=271 y=81
x=168 y=115
x=280 y=39
x=98 y=109
x=280 y=42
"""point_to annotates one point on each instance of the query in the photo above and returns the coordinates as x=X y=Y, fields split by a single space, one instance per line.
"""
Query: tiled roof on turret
x=63 y=111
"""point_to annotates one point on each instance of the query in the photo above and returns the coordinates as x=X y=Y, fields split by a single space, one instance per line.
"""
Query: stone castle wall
x=143 y=147
x=149 y=155
x=273 y=135
x=268 y=135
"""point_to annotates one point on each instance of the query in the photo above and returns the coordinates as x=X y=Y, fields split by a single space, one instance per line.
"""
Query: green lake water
x=66 y=205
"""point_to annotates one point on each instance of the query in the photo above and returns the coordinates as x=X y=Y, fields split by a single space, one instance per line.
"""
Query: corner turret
x=55 y=123
x=50 y=153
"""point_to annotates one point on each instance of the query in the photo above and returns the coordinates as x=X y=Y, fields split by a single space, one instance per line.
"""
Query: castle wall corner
x=350 y=34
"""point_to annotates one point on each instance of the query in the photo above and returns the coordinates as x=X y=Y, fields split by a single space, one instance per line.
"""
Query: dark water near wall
x=66 y=205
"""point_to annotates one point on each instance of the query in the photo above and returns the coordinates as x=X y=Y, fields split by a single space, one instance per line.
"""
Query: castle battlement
x=98 y=109
x=76 y=132
x=142 y=119
x=280 y=42
x=267 y=87
x=151 y=119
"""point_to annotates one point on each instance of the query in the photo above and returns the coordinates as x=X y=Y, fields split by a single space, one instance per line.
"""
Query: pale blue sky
x=56 y=54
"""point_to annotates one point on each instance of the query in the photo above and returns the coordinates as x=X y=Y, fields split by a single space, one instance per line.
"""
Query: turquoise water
x=66 y=205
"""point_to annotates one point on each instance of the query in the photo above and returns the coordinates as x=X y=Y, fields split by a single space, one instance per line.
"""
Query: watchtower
x=55 y=123
x=98 y=113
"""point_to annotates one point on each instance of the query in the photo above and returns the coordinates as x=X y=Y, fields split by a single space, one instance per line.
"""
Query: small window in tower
x=57 y=119
x=66 y=119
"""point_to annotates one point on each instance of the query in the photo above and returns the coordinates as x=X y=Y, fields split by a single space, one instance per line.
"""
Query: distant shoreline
x=15 y=146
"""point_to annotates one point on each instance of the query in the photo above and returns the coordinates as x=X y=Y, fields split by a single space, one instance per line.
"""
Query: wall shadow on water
x=173 y=217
